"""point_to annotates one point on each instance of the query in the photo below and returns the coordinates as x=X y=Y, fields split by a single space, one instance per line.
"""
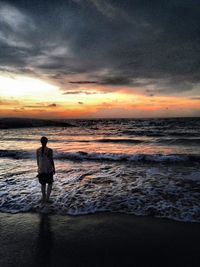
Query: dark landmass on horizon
x=14 y=122
x=9 y=123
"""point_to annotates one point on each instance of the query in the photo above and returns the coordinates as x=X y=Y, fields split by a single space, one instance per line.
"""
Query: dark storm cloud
x=52 y=105
x=72 y=92
x=195 y=98
x=84 y=82
x=80 y=92
x=115 y=43
x=34 y=106
x=117 y=80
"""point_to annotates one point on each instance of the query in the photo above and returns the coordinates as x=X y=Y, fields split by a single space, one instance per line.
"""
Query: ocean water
x=142 y=167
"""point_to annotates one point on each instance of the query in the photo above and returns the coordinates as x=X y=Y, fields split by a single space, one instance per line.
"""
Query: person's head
x=44 y=140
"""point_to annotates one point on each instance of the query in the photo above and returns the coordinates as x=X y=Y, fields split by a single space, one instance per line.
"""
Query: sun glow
x=26 y=87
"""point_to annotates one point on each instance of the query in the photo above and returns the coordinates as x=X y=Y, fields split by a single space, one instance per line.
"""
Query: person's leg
x=49 y=188
x=43 y=189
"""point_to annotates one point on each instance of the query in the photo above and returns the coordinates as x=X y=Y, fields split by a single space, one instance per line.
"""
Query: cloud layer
x=144 y=45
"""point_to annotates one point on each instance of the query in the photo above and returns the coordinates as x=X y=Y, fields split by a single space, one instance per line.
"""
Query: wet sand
x=96 y=240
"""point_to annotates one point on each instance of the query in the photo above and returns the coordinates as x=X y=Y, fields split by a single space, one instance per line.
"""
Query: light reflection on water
x=60 y=140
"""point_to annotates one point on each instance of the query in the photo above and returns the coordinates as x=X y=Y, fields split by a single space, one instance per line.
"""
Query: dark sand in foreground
x=97 y=240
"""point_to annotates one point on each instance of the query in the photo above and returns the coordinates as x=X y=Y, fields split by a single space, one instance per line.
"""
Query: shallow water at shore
x=128 y=166
x=162 y=190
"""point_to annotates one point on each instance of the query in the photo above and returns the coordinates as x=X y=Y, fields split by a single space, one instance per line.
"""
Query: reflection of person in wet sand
x=46 y=168
x=45 y=242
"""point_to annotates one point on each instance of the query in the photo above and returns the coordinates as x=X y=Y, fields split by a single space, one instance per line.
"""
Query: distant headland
x=9 y=123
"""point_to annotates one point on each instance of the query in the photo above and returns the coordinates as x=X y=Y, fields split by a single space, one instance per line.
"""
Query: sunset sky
x=99 y=58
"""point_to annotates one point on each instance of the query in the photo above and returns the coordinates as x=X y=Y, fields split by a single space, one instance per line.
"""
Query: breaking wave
x=157 y=190
x=82 y=155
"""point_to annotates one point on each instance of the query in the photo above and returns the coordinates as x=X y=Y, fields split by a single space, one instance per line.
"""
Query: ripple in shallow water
x=158 y=190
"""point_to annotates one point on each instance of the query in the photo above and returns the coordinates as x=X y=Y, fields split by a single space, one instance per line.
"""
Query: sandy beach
x=96 y=240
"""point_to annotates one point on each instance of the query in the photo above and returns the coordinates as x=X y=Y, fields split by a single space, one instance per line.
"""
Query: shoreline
x=102 y=239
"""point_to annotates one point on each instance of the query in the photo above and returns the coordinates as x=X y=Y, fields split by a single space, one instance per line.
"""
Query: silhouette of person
x=46 y=168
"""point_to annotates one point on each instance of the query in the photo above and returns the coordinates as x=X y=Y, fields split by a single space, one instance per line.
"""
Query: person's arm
x=37 y=156
x=51 y=160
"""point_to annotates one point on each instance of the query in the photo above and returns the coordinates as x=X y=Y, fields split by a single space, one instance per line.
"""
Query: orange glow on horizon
x=29 y=97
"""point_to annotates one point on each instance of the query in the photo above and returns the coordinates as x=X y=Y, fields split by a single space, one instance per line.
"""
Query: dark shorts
x=45 y=178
